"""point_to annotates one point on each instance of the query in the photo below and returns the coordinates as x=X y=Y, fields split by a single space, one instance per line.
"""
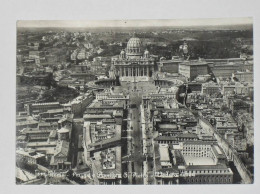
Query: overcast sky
x=133 y=23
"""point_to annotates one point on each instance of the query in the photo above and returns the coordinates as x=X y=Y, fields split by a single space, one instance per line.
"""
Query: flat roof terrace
x=191 y=160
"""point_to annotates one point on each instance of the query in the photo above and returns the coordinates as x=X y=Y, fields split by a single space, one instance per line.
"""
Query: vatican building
x=134 y=63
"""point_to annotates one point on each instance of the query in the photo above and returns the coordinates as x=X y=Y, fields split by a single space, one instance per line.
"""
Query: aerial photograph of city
x=149 y=102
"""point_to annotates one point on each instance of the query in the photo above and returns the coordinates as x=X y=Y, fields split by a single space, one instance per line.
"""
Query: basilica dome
x=134 y=43
x=134 y=47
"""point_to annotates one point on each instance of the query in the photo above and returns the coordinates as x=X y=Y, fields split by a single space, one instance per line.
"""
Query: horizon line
x=134 y=23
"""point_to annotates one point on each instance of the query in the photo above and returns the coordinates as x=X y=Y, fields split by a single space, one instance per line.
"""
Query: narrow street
x=137 y=146
x=77 y=130
x=135 y=141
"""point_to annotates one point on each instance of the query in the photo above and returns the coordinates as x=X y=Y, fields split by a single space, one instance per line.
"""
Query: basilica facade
x=133 y=63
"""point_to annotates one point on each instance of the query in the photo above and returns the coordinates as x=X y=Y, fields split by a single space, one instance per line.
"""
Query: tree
x=69 y=174
x=224 y=108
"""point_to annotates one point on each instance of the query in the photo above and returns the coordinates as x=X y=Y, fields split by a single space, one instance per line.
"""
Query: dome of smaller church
x=146 y=54
x=122 y=52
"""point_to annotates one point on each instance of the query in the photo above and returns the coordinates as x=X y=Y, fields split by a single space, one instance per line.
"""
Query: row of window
x=133 y=50
x=39 y=135
x=208 y=180
x=210 y=171
x=196 y=148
